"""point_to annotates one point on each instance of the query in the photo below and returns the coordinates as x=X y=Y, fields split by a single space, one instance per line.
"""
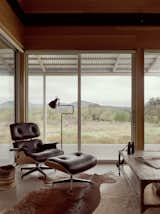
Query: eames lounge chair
x=25 y=140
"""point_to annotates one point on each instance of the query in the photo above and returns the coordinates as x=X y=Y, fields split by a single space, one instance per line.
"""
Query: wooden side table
x=143 y=173
x=7 y=177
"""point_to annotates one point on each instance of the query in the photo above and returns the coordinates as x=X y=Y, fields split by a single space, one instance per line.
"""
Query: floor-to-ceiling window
x=152 y=100
x=7 y=103
x=65 y=88
x=35 y=104
x=99 y=82
x=105 y=102
x=54 y=76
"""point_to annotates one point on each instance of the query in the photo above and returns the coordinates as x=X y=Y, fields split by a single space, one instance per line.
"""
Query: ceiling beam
x=9 y=68
x=116 y=63
x=87 y=12
x=41 y=63
x=69 y=73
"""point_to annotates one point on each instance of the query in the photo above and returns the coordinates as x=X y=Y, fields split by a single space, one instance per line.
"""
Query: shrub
x=122 y=116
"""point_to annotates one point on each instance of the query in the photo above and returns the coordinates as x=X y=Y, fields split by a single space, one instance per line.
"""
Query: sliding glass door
x=7 y=104
x=62 y=122
x=152 y=100
x=105 y=103
x=35 y=97
x=54 y=76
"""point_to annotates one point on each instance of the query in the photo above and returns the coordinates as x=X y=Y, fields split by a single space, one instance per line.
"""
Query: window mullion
x=79 y=103
x=44 y=108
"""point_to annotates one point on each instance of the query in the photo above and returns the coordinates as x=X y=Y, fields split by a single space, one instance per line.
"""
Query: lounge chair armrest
x=15 y=149
x=49 y=145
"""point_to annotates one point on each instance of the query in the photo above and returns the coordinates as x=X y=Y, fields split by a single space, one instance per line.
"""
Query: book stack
x=7 y=177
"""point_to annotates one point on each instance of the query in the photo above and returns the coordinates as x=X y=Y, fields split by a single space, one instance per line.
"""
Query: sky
x=95 y=89
x=6 y=88
x=104 y=90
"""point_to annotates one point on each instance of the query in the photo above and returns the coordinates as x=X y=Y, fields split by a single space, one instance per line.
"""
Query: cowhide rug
x=60 y=200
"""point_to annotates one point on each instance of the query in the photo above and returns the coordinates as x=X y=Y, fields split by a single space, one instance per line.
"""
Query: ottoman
x=72 y=164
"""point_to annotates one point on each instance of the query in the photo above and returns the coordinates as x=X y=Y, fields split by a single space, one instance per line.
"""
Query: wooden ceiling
x=90 y=6
x=87 y=12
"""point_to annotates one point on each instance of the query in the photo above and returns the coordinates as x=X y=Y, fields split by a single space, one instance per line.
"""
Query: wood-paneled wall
x=91 y=38
x=10 y=25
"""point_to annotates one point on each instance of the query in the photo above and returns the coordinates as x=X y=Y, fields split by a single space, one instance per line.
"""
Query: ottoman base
x=71 y=180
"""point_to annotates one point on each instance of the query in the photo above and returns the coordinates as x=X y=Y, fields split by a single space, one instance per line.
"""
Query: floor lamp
x=55 y=104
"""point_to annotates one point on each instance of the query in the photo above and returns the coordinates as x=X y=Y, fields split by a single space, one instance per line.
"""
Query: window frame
x=78 y=53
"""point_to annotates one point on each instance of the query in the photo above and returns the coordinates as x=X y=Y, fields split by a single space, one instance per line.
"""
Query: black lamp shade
x=53 y=103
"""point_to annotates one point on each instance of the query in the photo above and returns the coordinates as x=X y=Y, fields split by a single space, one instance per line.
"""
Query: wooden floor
x=115 y=198
x=33 y=182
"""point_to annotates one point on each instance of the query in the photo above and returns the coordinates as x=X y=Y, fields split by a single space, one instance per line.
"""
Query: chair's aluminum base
x=71 y=180
x=33 y=169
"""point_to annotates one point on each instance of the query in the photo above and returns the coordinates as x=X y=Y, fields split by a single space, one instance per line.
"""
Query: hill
x=9 y=104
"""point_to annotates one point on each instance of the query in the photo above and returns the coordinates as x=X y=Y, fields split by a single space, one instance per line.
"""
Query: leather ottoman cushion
x=75 y=162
